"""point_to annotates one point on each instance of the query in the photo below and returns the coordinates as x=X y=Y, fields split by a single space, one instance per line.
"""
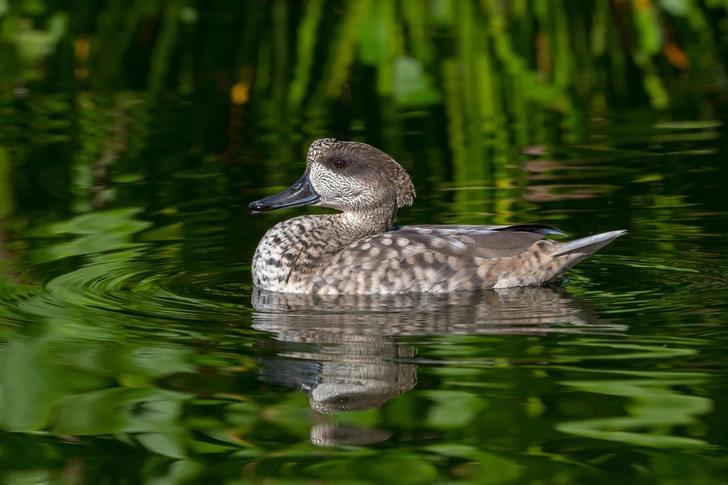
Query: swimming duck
x=357 y=251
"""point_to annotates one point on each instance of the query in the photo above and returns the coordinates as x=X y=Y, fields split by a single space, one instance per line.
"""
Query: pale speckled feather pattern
x=356 y=252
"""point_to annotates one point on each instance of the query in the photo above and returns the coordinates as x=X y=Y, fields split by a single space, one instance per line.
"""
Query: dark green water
x=134 y=348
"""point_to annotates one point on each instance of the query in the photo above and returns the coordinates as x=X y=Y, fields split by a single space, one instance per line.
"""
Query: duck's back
x=437 y=258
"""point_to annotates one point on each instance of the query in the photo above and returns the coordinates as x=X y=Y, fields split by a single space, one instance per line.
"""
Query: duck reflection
x=352 y=372
x=344 y=350
x=336 y=434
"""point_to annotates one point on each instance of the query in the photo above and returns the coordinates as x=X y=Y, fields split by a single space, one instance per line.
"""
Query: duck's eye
x=339 y=163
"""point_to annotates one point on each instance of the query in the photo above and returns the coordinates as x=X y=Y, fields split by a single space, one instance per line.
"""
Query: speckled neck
x=367 y=223
x=338 y=230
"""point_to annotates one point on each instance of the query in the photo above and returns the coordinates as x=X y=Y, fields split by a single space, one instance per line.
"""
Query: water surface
x=135 y=347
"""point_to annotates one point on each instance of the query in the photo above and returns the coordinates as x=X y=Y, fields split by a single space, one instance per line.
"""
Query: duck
x=358 y=250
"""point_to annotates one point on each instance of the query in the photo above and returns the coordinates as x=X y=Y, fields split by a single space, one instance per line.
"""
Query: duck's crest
x=318 y=149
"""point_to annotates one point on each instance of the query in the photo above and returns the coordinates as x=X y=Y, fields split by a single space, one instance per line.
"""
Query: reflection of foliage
x=133 y=375
x=97 y=389
x=656 y=407
x=6 y=192
x=108 y=370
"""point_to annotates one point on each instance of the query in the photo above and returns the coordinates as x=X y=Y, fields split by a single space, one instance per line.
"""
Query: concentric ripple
x=112 y=292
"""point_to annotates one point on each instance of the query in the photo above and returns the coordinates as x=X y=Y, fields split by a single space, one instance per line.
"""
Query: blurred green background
x=460 y=86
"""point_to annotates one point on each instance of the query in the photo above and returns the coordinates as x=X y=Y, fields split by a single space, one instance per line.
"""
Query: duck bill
x=299 y=194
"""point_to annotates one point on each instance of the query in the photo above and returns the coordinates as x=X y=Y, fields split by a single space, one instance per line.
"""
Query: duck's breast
x=289 y=254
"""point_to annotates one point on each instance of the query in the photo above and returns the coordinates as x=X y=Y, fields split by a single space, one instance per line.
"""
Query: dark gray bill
x=299 y=194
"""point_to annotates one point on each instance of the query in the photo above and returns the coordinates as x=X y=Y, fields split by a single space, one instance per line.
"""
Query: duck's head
x=347 y=176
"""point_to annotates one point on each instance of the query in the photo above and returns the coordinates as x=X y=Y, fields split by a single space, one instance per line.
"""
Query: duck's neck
x=371 y=222
x=348 y=227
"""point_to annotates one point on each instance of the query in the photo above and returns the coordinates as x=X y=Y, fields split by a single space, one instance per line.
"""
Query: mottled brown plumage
x=358 y=252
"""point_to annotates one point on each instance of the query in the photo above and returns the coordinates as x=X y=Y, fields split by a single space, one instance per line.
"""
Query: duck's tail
x=587 y=245
x=570 y=253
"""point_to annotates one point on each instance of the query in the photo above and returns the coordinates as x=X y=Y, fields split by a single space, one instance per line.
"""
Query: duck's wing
x=448 y=258
x=474 y=241
x=434 y=244
x=425 y=258
x=542 y=229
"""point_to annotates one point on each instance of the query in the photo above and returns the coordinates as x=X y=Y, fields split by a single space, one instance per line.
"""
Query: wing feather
x=424 y=257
